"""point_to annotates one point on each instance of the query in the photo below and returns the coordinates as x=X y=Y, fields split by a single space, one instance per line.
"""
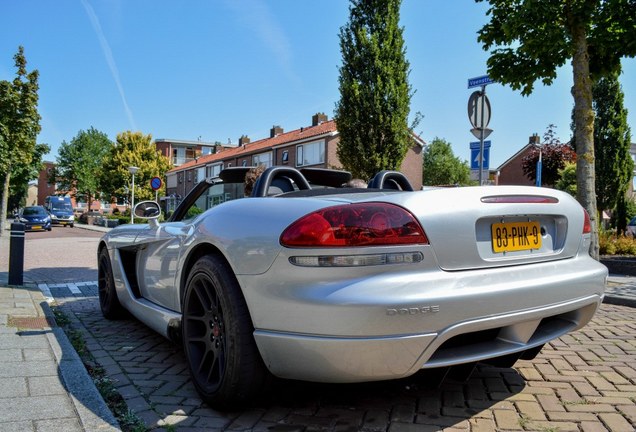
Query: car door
x=158 y=251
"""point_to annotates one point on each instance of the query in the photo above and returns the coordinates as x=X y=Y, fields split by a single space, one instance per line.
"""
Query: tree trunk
x=5 y=201
x=584 y=132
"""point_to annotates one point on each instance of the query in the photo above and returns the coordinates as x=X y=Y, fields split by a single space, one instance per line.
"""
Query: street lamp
x=132 y=170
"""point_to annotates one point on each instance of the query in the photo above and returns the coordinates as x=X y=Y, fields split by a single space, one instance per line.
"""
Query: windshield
x=214 y=196
x=61 y=205
x=30 y=211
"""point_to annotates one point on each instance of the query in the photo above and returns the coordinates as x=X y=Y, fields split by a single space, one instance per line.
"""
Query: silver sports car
x=309 y=280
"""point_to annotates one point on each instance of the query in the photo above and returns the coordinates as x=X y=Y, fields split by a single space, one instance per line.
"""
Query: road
x=584 y=381
x=61 y=255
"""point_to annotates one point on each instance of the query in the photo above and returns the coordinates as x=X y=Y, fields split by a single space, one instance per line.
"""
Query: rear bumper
x=337 y=359
x=339 y=325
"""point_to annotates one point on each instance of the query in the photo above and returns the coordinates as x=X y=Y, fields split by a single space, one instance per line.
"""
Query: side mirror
x=147 y=210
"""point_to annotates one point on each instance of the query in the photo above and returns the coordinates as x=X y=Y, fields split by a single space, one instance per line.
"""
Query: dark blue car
x=35 y=218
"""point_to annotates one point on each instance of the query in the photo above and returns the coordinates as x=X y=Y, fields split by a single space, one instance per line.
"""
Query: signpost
x=479 y=117
x=155 y=184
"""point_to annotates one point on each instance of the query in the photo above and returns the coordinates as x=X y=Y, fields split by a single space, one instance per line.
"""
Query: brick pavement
x=584 y=381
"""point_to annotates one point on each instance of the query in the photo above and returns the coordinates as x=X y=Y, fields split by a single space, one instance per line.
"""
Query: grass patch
x=127 y=419
x=523 y=421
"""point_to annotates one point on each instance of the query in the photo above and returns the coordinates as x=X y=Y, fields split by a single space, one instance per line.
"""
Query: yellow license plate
x=515 y=236
x=36 y=227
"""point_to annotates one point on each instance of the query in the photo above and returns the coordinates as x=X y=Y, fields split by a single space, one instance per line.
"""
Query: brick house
x=182 y=151
x=314 y=146
x=45 y=189
x=511 y=171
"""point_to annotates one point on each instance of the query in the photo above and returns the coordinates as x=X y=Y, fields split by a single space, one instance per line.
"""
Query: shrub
x=611 y=244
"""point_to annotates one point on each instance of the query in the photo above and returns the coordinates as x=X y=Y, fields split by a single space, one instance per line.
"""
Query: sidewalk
x=44 y=383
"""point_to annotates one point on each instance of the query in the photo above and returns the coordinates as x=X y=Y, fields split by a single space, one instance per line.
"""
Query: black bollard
x=16 y=254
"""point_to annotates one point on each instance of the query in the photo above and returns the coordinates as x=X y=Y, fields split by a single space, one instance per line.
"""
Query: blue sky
x=218 y=69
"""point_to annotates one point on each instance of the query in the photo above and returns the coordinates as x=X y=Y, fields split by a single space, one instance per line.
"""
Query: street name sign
x=479 y=81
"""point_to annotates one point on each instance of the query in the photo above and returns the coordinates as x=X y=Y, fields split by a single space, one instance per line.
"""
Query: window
x=285 y=156
x=310 y=154
x=213 y=170
x=244 y=162
x=262 y=159
x=199 y=174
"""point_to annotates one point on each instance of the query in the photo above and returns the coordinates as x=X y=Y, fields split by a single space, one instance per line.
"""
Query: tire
x=217 y=333
x=108 y=301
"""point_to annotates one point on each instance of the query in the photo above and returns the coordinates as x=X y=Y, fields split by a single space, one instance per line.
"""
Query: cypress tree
x=372 y=113
x=612 y=140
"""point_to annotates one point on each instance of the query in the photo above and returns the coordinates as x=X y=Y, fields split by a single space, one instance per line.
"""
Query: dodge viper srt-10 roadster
x=308 y=280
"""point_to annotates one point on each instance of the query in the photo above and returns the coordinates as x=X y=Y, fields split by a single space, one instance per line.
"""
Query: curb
x=619 y=301
x=89 y=404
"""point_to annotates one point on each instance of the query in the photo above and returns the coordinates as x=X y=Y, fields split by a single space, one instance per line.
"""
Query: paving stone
x=13 y=387
x=507 y=419
x=46 y=386
x=616 y=422
x=61 y=425
x=569 y=386
x=10 y=426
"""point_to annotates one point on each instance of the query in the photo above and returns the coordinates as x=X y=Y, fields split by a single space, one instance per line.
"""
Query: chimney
x=275 y=130
x=318 y=118
x=244 y=139
x=534 y=139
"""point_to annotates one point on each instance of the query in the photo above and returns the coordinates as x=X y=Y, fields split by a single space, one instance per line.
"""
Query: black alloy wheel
x=218 y=340
x=108 y=301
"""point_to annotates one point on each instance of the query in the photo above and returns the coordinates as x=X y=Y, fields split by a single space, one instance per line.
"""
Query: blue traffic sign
x=474 y=155
x=155 y=183
x=479 y=81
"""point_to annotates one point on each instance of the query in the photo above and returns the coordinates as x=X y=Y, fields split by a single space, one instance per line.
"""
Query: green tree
x=554 y=157
x=78 y=162
x=567 y=179
x=372 y=113
x=612 y=140
x=19 y=126
x=23 y=174
x=530 y=40
x=441 y=167
x=138 y=150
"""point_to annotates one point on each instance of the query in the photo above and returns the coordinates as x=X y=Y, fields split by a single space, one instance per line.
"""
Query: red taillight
x=360 y=224
x=587 y=225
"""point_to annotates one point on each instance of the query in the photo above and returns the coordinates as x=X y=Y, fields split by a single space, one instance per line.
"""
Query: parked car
x=631 y=227
x=307 y=280
x=35 y=218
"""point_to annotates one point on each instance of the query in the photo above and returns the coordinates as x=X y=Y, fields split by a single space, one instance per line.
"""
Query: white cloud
x=110 y=59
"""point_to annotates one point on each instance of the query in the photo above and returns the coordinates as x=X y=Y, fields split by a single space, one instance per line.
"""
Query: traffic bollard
x=16 y=254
